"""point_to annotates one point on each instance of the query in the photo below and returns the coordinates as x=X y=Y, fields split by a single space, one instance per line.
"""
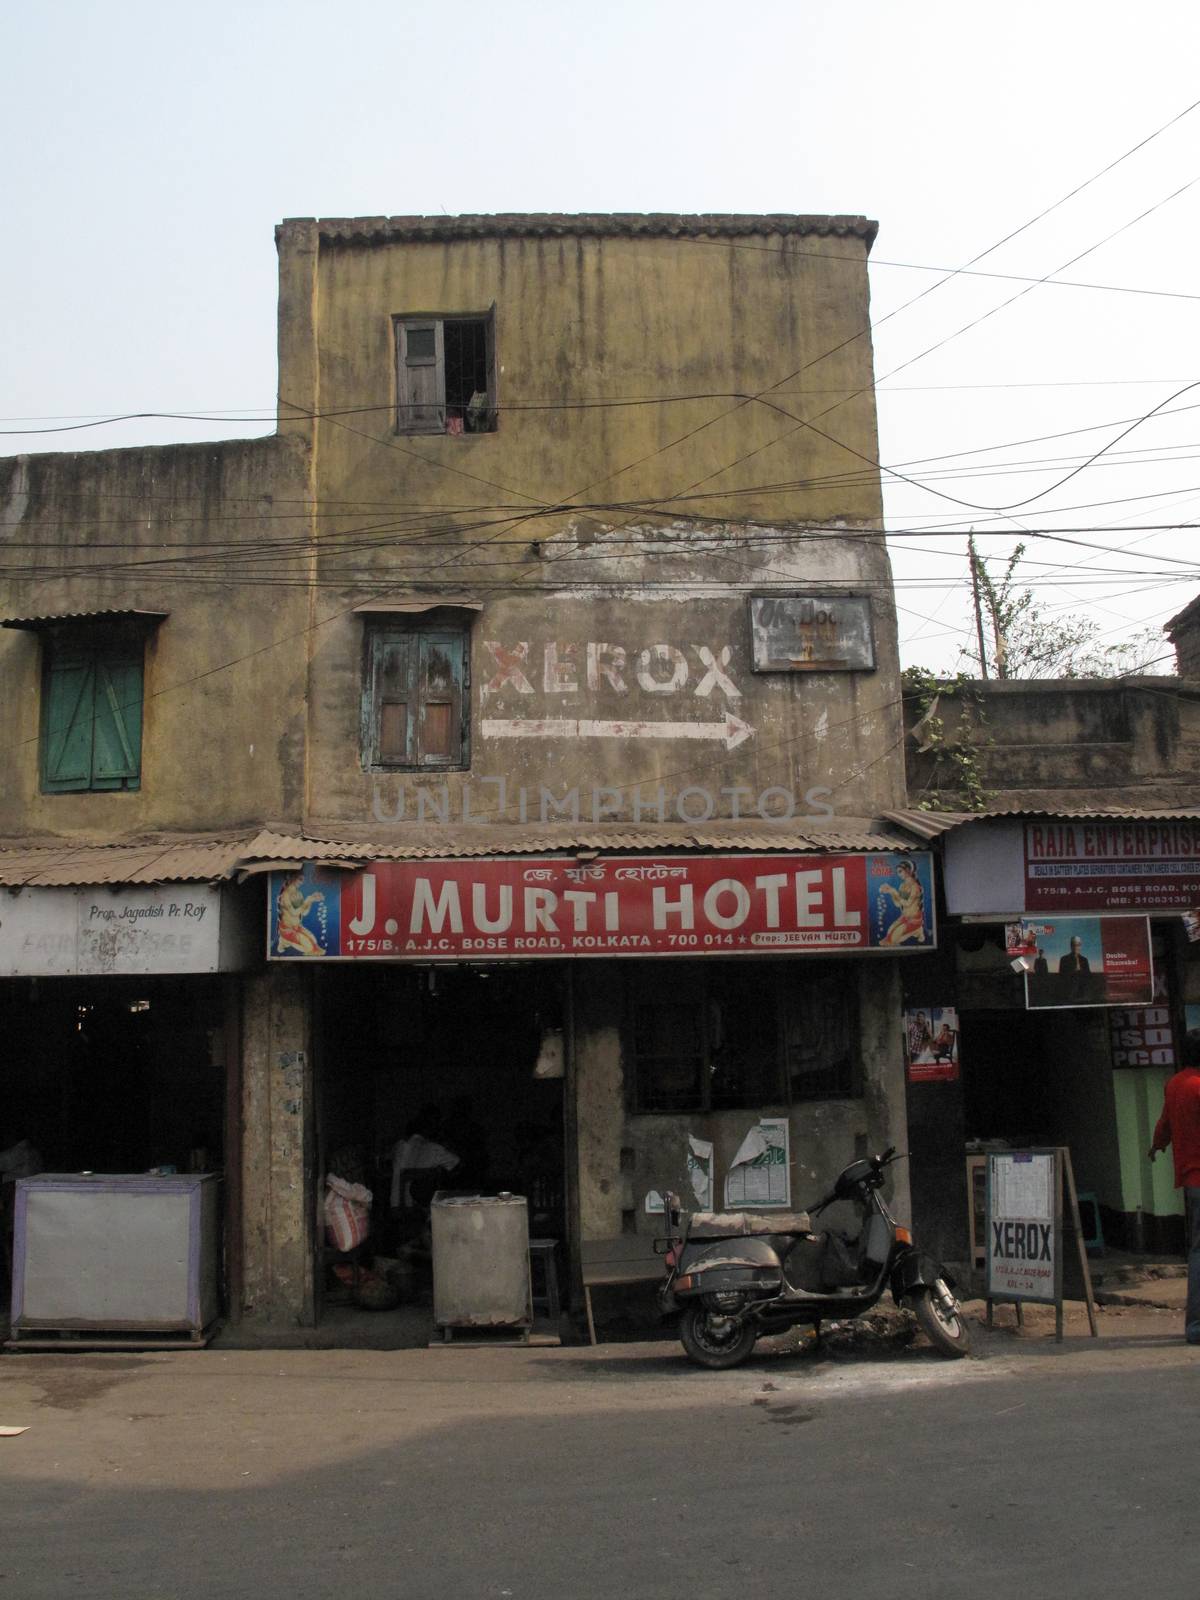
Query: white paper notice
x=700 y=1171
x=1023 y=1189
x=761 y=1170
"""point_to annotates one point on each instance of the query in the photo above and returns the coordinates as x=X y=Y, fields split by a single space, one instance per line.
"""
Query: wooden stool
x=545 y=1251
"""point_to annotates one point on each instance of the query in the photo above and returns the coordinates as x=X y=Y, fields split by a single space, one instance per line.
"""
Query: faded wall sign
x=526 y=907
x=63 y=932
x=674 y=690
x=812 y=633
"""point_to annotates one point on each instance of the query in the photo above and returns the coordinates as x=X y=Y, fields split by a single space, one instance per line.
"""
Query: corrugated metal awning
x=933 y=824
x=412 y=607
x=67 y=866
x=414 y=842
x=196 y=859
x=148 y=619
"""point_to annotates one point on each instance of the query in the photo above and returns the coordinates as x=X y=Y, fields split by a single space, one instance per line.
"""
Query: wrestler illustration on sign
x=291 y=907
x=908 y=925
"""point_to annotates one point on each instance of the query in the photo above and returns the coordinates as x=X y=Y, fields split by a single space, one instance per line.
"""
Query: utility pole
x=978 y=603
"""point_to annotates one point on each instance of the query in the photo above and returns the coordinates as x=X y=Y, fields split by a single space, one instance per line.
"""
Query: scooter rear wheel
x=710 y=1345
x=945 y=1330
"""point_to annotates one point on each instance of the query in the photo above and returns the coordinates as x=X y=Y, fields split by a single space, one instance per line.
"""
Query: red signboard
x=1112 y=866
x=523 y=908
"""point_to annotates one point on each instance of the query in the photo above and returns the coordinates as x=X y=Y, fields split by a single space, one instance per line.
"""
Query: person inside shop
x=1179 y=1127
x=420 y=1163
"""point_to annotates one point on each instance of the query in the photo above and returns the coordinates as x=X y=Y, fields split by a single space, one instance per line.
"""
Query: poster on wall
x=761 y=1174
x=931 y=1044
x=700 y=1172
x=1087 y=961
x=526 y=907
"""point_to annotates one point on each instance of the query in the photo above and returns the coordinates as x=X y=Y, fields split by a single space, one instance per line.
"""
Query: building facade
x=524 y=710
x=1090 y=832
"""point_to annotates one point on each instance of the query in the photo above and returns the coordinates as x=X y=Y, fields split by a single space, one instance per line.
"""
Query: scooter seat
x=746 y=1224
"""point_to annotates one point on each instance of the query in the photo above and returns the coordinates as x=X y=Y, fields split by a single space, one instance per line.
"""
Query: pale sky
x=151 y=148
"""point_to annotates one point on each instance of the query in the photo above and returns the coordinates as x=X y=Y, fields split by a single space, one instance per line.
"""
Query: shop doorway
x=115 y=1075
x=432 y=1078
x=110 y=1075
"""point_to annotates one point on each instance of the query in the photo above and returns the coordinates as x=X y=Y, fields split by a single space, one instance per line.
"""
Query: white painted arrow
x=731 y=730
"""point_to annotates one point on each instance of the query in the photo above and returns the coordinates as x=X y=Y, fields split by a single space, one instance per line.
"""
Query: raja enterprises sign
x=524 y=908
x=1112 y=865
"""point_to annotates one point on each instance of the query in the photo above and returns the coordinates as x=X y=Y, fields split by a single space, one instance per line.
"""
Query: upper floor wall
x=631 y=359
x=190 y=716
x=591 y=433
x=594 y=430
x=1062 y=743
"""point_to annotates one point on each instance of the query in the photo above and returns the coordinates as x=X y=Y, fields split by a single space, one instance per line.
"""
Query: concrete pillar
x=277 y=1145
x=600 y=1098
x=298 y=245
x=881 y=1013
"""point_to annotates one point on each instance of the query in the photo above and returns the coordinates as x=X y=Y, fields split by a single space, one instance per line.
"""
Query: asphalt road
x=543 y=1475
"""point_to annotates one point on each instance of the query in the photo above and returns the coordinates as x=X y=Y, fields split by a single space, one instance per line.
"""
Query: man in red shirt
x=1179 y=1127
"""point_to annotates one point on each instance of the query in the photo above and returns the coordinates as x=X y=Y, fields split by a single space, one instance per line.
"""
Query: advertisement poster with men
x=1083 y=961
x=931 y=1044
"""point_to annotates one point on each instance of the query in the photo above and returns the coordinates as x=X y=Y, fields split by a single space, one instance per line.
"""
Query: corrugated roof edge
x=585 y=225
x=64 y=864
x=933 y=824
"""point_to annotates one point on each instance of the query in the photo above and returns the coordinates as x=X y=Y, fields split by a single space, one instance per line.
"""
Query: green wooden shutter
x=67 y=724
x=117 y=744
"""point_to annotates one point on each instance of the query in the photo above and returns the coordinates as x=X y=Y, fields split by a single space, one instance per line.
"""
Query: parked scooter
x=736 y=1275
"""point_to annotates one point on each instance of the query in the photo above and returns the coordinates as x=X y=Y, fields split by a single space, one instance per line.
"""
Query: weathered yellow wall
x=622 y=1156
x=586 y=320
x=223 y=725
x=581 y=320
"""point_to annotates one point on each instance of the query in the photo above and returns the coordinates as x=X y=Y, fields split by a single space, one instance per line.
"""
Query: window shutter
x=392 y=699
x=67 y=727
x=440 y=676
x=421 y=376
x=117 y=746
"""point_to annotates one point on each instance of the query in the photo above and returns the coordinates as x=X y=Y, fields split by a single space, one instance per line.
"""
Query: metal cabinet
x=481 y=1261
x=135 y=1255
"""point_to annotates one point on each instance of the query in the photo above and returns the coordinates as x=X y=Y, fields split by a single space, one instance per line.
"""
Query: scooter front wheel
x=941 y=1320
x=713 y=1341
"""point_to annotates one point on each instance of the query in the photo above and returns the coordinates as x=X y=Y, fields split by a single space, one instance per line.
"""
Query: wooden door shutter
x=420 y=376
x=393 y=708
x=67 y=724
x=117 y=741
x=440 y=679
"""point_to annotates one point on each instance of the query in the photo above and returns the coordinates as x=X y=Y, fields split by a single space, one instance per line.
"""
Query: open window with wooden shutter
x=446 y=374
x=415 y=694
